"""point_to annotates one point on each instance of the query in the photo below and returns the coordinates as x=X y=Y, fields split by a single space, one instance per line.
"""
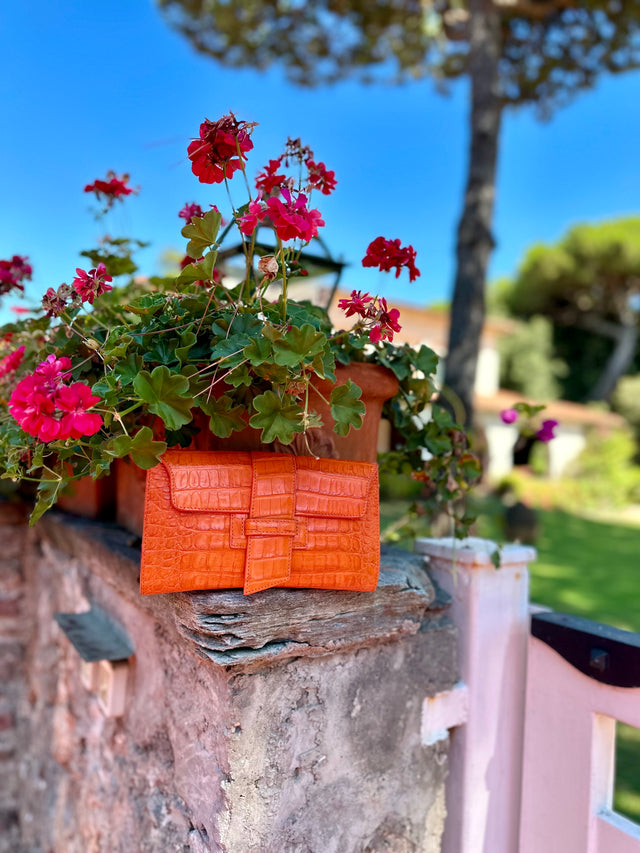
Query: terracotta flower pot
x=91 y=498
x=378 y=385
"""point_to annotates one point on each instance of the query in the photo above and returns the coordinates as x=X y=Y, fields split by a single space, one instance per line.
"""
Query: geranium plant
x=102 y=372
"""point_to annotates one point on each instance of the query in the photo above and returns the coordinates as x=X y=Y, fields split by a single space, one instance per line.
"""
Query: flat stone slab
x=247 y=632
x=233 y=628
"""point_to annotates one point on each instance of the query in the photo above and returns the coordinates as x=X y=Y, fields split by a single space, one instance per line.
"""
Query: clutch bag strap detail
x=271 y=525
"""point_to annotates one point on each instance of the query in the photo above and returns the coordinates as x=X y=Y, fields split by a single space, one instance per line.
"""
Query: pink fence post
x=490 y=608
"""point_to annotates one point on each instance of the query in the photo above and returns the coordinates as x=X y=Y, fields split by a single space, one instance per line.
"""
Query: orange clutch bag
x=258 y=520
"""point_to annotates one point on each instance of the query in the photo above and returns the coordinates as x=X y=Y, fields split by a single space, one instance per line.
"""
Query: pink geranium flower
x=546 y=431
x=509 y=416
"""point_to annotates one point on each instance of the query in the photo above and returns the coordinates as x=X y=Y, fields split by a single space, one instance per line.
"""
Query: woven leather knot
x=271 y=525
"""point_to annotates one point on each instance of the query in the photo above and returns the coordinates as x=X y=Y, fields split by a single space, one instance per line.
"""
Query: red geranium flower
x=221 y=149
x=249 y=221
x=48 y=409
x=13 y=273
x=269 y=178
x=55 y=302
x=111 y=189
x=11 y=362
x=320 y=178
x=387 y=254
x=292 y=219
x=190 y=210
x=89 y=285
x=355 y=304
x=75 y=399
x=387 y=323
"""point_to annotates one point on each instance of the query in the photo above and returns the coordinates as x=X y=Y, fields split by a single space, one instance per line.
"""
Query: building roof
x=559 y=410
x=428 y=325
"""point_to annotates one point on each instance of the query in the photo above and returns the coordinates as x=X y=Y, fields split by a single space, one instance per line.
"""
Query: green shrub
x=605 y=472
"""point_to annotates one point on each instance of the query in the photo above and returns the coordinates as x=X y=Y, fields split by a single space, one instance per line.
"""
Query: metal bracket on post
x=604 y=653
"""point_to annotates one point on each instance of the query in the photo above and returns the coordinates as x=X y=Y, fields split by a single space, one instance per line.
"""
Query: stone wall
x=285 y=722
x=13 y=636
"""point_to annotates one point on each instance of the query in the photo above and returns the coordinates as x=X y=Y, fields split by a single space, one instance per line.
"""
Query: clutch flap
x=203 y=481
x=332 y=488
x=219 y=482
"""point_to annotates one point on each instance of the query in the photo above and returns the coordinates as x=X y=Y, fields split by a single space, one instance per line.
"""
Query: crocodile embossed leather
x=216 y=520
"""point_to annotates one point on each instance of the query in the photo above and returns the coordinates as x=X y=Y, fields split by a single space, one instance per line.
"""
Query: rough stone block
x=285 y=722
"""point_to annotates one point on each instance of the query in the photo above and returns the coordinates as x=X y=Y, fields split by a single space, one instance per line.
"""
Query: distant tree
x=588 y=285
x=514 y=52
x=527 y=361
x=626 y=400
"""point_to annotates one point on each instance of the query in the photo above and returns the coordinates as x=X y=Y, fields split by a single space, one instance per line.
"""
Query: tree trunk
x=625 y=336
x=475 y=241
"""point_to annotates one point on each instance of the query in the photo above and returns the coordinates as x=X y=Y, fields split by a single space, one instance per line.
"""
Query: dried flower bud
x=268 y=266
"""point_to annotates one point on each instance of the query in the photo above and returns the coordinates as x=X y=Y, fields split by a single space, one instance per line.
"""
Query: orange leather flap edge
x=207 y=481
x=334 y=488
x=221 y=482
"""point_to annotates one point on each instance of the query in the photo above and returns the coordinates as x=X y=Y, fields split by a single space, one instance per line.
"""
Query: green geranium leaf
x=224 y=417
x=259 y=351
x=230 y=350
x=274 y=373
x=347 y=408
x=202 y=232
x=162 y=349
x=197 y=384
x=278 y=419
x=119 y=348
x=104 y=387
x=48 y=491
x=324 y=365
x=127 y=369
x=298 y=345
x=401 y=367
x=427 y=360
x=438 y=446
x=115 y=264
x=187 y=340
x=306 y=312
x=146 y=306
x=239 y=376
x=166 y=394
x=271 y=333
x=200 y=271
x=181 y=437
x=144 y=450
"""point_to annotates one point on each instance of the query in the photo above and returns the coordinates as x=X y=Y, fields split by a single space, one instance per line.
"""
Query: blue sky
x=92 y=86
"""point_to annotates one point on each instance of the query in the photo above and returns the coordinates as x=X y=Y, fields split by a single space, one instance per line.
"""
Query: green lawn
x=590 y=568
